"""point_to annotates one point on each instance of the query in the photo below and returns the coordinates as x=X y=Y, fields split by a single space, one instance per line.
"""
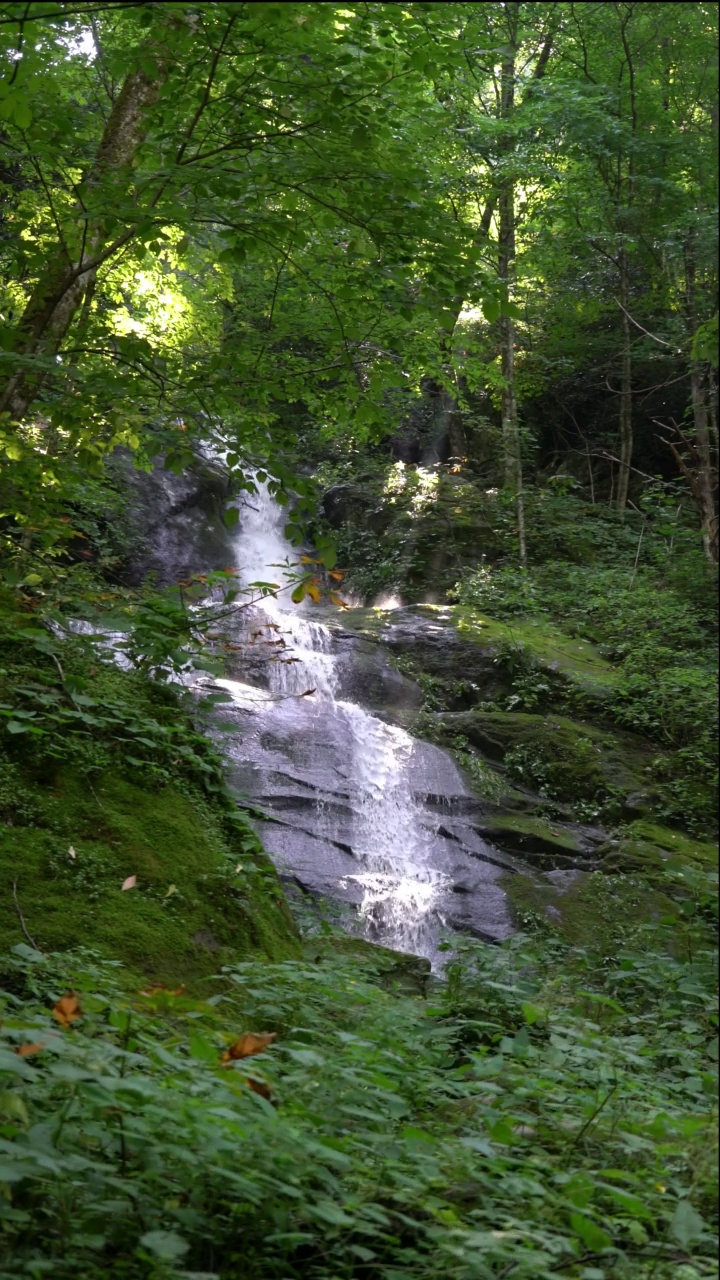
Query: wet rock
x=177 y=520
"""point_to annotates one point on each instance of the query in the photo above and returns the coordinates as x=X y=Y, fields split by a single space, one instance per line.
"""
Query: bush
x=541 y=1114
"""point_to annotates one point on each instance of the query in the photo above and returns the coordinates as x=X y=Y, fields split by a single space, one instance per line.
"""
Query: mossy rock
x=590 y=909
x=538 y=839
x=205 y=892
x=455 y=643
x=392 y=970
x=650 y=847
x=578 y=661
x=569 y=760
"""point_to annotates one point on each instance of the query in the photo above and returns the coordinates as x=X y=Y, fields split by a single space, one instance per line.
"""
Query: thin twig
x=590 y=1118
x=93 y=791
x=21 y=918
x=648 y=334
x=56 y=660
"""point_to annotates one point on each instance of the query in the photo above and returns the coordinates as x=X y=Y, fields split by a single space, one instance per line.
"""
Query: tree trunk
x=71 y=267
x=454 y=431
x=512 y=456
x=703 y=477
x=705 y=489
x=626 y=408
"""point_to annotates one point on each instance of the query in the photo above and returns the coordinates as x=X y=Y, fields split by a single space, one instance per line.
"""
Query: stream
x=358 y=811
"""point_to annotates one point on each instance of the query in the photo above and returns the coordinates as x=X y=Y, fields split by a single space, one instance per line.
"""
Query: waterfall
x=399 y=888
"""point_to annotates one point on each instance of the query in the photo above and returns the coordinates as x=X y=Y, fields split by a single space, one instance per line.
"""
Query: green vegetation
x=444 y=276
x=541 y=1111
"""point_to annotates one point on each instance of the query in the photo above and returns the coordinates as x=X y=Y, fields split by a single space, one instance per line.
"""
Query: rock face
x=299 y=762
x=178 y=521
x=356 y=810
x=350 y=797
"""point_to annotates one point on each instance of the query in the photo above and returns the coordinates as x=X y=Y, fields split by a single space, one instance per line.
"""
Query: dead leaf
x=307 y=693
x=72 y=852
x=337 y=574
x=67 y=1010
x=171 y=890
x=25 y=1050
x=259 y=1086
x=129 y=883
x=251 y=1043
x=314 y=593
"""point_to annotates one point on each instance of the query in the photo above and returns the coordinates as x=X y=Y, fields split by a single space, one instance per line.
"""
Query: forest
x=358 y=626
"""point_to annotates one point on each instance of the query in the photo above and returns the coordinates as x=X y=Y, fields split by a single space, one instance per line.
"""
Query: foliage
x=539 y=1112
x=655 y=624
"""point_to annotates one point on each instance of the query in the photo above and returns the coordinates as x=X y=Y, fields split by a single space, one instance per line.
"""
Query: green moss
x=566 y=760
x=393 y=970
x=594 y=910
x=532 y=835
x=205 y=892
x=577 y=660
x=649 y=846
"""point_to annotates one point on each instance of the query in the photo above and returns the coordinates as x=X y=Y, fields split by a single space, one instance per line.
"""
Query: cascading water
x=399 y=887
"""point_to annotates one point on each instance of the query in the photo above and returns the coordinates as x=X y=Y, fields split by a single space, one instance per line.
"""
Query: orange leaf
x=259 y=1086
x=26 y=1049
x=314 y=592
x=337 y=574
x=129 y=883
x=67 y=1010
x=338 y=600
x=252 y=1042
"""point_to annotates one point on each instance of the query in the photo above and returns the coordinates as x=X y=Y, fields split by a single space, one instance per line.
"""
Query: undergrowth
x=543 y=1113
x=661 y=640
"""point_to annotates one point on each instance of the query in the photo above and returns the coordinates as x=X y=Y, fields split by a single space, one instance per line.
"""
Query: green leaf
x=328 y=557
x=202 y=1049
x=531 y=1013
x=231 y=515
x=590 y=1233
x=491 y=310
x=167 y=1245
x=686 y=1224
x=12 y=1107
x=299 y=593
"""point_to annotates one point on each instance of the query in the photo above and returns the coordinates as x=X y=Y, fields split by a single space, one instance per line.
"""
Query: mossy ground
x=204 y=893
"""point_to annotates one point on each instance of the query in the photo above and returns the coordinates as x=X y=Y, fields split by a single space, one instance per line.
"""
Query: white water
x=400 y=889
